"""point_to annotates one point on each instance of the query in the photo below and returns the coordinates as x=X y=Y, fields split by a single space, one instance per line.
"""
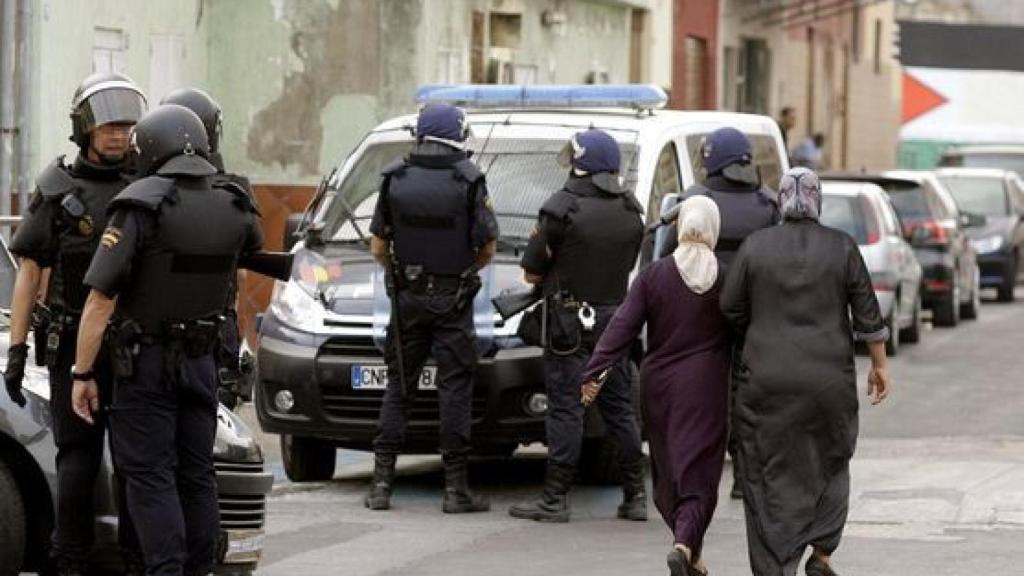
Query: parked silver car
x=863 y=211
x=28 y=475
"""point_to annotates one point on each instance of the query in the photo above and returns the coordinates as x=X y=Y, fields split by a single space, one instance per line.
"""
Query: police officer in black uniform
x=585 y=245
x=746 y=206
x=60 y=231
x=231 y=368
x=161 y=274
x=434 y=229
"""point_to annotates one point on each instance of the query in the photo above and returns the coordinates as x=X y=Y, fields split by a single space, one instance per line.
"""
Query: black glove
x=15 y=372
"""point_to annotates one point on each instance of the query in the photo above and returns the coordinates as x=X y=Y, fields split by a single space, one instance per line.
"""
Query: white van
x=317 y=334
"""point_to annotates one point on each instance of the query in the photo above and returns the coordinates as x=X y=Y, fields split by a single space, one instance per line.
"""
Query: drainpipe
x=7 y=128
x=26 y=67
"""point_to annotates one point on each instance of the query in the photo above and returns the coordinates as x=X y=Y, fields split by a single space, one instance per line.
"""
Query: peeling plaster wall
x=64 y=55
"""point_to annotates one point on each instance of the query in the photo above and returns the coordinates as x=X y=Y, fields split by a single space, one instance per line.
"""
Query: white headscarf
x=698 y=224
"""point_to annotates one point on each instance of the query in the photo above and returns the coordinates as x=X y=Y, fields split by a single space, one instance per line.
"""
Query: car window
x=1003 y=161
x=978 y=195
x=521 y=175
x=666 y=177
x=909 y=201
x=887 y=216
x=766 y=158
x=847 y=214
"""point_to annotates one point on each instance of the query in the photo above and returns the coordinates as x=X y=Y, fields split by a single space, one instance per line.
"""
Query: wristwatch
x=82 y=376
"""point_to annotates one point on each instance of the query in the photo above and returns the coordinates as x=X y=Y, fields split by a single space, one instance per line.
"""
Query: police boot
x=634 y=495
x=379 y=497
x=553 y=504
x=457 y=497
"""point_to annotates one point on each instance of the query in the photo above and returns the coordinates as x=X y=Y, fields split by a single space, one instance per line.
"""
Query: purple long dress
x=685 y=377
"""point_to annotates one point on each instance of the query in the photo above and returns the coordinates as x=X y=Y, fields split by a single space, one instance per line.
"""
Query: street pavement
x=938 y=488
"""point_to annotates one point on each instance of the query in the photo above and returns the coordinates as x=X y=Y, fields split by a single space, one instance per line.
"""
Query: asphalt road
x=938 y=488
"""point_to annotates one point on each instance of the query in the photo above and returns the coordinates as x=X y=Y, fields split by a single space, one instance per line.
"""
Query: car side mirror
x=291 y=230
x=970 y=220
x=664 y=229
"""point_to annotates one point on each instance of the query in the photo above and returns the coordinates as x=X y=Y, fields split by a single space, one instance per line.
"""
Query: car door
x=910 y=269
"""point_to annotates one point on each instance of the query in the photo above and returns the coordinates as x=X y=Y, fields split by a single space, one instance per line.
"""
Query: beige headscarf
x=698 y=224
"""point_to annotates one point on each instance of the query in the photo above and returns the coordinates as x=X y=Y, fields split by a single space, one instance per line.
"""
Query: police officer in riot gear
x=60 y=231
x=434 y=228
x=734 y=184
x=160 y=278
x=583 y=249
x=231 y=368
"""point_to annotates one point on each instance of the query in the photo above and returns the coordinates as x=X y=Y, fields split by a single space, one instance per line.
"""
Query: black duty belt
x=419 y=281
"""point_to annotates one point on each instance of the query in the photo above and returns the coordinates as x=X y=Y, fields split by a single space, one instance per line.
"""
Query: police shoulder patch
x=111 y=237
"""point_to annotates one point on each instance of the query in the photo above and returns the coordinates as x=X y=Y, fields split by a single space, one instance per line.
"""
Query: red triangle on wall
x=919 y=98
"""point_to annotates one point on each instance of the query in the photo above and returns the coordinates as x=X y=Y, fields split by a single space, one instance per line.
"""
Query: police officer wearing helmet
x=60 y=232
x=434 y=228
x=586 y=243
x=161 y=276
x=733 y=182
x=229 y=368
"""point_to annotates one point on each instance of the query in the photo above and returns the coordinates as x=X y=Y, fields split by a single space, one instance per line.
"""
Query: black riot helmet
x=204 y=106
x=171 y=140
x=105 y=98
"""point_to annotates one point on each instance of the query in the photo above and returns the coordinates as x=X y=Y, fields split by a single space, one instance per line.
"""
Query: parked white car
x=863 y=211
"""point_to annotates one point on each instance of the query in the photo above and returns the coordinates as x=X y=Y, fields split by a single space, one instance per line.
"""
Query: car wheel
x=892 y=345
x=13 y=527
x=307 y=459
x=1009 y=281
x=947 y=311
x=970 y=310
x=912 y=334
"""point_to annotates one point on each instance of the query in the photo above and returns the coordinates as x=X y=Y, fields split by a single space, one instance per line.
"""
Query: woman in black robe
x=800 y=293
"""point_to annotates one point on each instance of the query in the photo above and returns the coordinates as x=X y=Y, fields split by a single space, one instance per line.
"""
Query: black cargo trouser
x=162 y=436
x=79 y=459
x=431 y=327
x=566 y=412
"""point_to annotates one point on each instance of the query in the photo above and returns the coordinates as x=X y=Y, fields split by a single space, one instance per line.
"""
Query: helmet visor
x=112 y=106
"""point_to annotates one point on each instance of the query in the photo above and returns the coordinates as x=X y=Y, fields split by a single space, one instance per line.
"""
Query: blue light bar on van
x=636 y=96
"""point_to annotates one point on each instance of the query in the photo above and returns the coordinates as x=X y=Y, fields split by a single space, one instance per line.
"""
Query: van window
x=766 y=158
x=521 y=175
x=666 y=178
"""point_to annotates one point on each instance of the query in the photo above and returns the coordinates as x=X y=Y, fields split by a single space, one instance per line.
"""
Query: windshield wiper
x=350 y=215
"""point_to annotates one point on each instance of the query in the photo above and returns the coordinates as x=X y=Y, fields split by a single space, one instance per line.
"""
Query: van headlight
x=295 y=306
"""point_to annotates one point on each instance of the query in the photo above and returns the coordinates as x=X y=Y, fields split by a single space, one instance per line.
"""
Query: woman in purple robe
x=685 y=377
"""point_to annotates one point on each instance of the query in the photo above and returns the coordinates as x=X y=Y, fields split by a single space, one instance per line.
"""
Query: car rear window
x=910 y=202
x=977 y=195
x=849 y=214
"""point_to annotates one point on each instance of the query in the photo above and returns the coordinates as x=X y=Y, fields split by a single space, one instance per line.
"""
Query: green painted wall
x=921 y=154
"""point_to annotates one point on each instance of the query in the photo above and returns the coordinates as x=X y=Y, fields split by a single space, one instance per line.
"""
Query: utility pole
x=8 y=41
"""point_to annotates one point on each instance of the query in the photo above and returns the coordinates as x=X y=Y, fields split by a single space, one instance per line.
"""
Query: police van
x=320 y=371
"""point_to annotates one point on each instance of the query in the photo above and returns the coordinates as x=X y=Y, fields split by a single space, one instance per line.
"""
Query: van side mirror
x=291 y=229
x=664 y=226
x=970 y=220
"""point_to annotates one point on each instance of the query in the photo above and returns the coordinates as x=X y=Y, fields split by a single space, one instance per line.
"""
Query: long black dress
x=685 y=376
x=794 y=290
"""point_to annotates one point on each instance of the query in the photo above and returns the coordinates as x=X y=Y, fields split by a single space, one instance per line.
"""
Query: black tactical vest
x=744 y=210
x=185 y=267
x=81 y=193
x=431 y=208
x=600 y=242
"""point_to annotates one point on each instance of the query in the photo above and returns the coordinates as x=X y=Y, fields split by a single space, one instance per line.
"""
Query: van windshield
x=521 y=174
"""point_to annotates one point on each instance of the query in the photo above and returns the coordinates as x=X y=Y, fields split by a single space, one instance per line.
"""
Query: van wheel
x=599 y=462
x=13 y=527
x=307 y=459
x=912 y=334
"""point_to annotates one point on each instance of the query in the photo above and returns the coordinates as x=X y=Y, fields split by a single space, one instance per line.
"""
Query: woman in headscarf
x=685 y=375
x=801 y=294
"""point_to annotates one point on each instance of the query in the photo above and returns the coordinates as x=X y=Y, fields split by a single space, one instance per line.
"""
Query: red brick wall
x=276 y=203
x=698 y=18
